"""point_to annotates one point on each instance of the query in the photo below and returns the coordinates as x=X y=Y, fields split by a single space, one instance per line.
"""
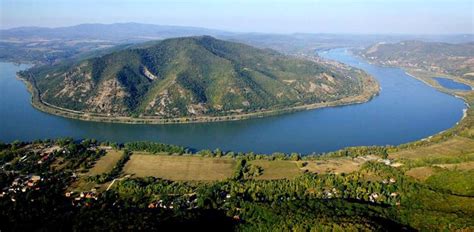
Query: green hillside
x=453 y=59
x=192 y=76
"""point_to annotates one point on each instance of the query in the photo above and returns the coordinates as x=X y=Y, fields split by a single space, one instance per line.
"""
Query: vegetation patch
x=453 y=181
x=155 y=148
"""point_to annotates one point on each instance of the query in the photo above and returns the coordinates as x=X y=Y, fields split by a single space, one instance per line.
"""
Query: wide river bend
x=406 y=110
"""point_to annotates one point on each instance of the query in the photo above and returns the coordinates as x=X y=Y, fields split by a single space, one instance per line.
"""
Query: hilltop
x=193 y=76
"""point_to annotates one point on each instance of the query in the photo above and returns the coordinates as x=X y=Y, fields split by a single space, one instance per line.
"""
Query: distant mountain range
x=50 y=45
x=141 y=31
x=110 y=32
x=192 y=76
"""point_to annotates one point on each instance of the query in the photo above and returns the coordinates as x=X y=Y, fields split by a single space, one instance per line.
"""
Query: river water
x=406 y=110
x=450 y=84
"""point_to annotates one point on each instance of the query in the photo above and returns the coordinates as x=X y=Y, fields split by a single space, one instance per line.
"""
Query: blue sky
x=277 y=16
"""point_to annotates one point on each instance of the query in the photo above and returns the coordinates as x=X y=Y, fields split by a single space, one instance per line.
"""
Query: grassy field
x=336 y=165
x=420 y=173
x=180 y=167
x=446 y=155
x=443 y=155
x=106 y=163
x=198 y=168
x=277 y=169
x=450 y=148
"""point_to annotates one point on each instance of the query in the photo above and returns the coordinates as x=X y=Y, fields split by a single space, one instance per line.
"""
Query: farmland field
x=180 y=167
x=451 y=148
x=420 y=173
x=277 y=169
x=338 y=165
x=106 y=163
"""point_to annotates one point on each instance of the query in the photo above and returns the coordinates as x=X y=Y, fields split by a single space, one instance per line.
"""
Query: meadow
x=183 y=168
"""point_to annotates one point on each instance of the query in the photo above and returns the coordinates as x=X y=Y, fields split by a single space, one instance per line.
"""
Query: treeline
x=168 y=149
x=154 y=148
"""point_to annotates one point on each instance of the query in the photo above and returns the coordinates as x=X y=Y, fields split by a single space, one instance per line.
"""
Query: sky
x=267 y=16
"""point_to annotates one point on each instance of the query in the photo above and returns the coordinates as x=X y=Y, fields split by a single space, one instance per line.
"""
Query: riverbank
x=371 y=89
x=427 y=78
x=464 y=127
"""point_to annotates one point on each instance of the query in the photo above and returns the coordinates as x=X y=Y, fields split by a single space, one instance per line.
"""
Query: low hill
x=454 y=59
x=193 y=76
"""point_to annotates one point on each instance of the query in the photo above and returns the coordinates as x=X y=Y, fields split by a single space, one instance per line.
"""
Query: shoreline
x=371 y=90
x=439 y=88
x=446 y=91
x=407 y=72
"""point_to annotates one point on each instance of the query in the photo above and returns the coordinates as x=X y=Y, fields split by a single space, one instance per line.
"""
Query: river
x=406 y=110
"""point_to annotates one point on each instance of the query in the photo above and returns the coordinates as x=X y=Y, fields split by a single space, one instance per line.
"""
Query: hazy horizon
x=282 y=17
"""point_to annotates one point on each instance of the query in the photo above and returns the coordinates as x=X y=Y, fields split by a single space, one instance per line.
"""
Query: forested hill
x=192 y=76
x=454 y=59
